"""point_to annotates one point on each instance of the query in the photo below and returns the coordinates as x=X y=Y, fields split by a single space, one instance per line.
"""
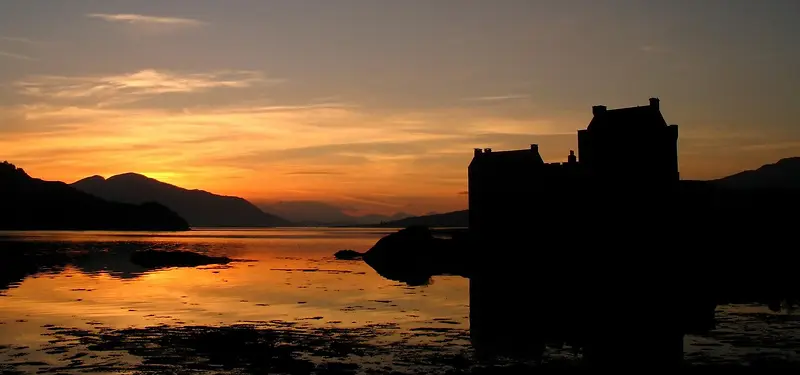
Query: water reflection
x=28 y=253
x=21 y=259
x=74 y=302
x=90 y=285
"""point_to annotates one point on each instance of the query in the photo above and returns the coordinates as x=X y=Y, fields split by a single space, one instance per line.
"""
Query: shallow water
x=285 y=306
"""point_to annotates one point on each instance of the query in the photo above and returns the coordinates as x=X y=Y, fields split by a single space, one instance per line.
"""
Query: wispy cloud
x=787 y=145
x=16 y=56
x=312 y=173
x=16 y=39
x=257 y=143
x=140 y=19
x=132 y=86
x=497 y=98
x=257 y=148
x=652 y=49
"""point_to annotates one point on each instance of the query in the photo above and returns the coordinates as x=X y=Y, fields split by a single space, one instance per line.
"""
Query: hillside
x=784 y=174
x=315 y=213
x=27 y=203
x=456 y=219
x=200 y=208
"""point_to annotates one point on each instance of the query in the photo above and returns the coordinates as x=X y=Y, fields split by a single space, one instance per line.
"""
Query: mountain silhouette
x=28 y=203
x=784 y=174
x=377 y=218
x=200 y=208
x=455 y=219
x=316 y=213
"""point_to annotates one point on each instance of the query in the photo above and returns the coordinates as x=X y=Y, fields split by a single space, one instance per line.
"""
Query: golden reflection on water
x=285 y=275
x=288 y=275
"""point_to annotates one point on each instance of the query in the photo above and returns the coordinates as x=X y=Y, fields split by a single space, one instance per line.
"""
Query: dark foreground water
x=286 y=307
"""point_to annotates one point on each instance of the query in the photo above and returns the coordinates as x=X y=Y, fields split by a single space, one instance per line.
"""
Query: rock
x=159 y=258
x=413 y=255
x=348 y=255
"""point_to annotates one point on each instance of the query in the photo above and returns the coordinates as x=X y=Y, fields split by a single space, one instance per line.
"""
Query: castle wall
x=623 y=155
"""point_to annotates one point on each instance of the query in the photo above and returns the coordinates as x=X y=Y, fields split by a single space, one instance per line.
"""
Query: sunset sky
x=376 y=105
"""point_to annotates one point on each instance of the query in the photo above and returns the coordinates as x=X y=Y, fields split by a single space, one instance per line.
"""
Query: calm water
x=287 y=300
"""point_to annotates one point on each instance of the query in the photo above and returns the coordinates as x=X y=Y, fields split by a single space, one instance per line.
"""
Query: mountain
x=200 y=208
x=377 y=219
x=28 y=203
x=784 y=174
x=455 y=219
x=315 y=213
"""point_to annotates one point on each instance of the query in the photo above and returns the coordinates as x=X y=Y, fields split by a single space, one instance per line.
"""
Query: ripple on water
x=352 y=322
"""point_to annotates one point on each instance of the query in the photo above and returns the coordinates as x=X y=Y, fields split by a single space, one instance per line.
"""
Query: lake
x=285 y=306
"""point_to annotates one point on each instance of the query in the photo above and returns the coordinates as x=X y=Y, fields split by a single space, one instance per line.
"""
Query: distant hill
x=377 y=219
x=27 y=203
x=784 y=174
x=200 y=208
x=315 y=213
x=456 y=219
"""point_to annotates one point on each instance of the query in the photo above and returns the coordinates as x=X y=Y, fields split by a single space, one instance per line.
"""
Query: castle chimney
x=487 y=150
x=535 y=148
x=478 y=151
x=572 y=158
x=654 y=103
x=598 y=109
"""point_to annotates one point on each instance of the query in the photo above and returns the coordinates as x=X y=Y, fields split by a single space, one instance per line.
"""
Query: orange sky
x=294 y=101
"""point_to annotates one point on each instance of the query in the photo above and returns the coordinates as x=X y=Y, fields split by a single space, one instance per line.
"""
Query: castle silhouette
x=504 y=182
x=610 y=252
x=559 y=233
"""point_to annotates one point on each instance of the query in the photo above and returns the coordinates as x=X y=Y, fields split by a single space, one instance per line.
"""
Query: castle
x=505 y=182
x=614 y=230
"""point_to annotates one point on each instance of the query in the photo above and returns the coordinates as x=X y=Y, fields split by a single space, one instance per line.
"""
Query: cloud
x=787 y=145
x=229 y=149
x=497 y=98
x=123 y=88
x=359 y=148
x=139 y=19
x=312 y=173
x=256 y=147
x=19 y=40
x=16 y=56
x=652 y=49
